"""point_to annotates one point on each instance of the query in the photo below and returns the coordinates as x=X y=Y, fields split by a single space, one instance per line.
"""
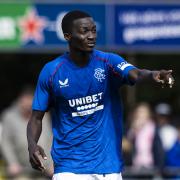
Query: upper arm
x=121 y=68
x=41 y=99
x=34 y=127
x=37 y=115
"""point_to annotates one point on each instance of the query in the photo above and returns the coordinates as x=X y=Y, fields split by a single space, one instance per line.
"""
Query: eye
x=94 y=30
x=84 y=30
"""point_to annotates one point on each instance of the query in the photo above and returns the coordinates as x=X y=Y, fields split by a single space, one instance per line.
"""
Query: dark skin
x=81 y=40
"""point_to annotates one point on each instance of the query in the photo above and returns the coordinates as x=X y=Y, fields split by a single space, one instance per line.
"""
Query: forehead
x=83 y=22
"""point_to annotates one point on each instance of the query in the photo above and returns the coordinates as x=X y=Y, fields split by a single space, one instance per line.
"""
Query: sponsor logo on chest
x=86 y=105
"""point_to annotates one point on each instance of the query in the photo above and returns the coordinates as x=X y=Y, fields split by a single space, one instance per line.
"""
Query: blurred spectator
x=14 y=142
x=173 y=154
x=127 y=151
x=144 y=135
x=0 y=132
x=169 y=137
x=167 y=132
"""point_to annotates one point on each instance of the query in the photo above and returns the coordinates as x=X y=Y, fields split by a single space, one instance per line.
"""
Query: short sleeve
x=121 y=68
x=41 y=99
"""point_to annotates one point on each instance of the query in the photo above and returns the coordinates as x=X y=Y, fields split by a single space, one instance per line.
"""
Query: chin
x=87 y=50
x=90 y=50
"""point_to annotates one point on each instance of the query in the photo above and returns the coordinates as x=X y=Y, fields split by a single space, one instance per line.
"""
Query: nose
x=91 y=35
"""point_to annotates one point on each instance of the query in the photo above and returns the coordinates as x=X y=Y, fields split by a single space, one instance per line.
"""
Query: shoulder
x=51 y=67
x=100 y=54
x=106 y=56
x=115 y=56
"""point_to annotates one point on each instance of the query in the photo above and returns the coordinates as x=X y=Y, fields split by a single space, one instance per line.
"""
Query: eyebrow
x=84 y=26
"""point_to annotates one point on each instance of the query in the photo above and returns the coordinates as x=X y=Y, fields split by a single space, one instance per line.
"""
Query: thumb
x=170 y=71
x=42 y=153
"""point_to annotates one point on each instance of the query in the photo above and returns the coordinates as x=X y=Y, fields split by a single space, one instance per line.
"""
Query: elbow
x=134 y=75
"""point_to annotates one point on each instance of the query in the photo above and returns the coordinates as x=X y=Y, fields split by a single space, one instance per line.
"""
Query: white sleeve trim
x=122 y=67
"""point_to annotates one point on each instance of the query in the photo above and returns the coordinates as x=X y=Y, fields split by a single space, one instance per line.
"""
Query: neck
x=80 y=58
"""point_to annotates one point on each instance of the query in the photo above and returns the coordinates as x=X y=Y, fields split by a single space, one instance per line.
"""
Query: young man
x=81 y=88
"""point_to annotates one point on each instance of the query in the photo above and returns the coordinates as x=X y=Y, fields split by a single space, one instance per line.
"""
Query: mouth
x=91 y=44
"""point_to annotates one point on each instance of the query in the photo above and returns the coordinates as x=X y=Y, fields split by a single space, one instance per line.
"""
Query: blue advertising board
x=139 y=26
x=147 y=26
x=43 y=22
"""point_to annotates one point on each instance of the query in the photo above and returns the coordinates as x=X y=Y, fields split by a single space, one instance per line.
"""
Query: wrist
x=154 y=74
x=31 y=145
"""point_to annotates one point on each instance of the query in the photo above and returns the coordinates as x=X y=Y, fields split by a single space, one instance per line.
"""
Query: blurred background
x=145 y=33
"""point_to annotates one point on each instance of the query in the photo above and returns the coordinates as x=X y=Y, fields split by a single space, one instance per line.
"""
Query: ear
x=67 y=36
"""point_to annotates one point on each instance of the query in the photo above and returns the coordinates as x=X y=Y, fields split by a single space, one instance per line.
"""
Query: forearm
x=140 y=75
x=144 y=74
x=33 y=132
x=34 y=128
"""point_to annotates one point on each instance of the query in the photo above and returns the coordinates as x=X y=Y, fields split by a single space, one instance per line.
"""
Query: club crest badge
x=99 y=74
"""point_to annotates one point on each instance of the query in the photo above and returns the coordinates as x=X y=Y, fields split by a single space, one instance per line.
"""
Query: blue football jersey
x=86 y=111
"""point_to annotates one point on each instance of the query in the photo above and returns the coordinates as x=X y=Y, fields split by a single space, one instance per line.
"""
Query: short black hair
x=68 y=19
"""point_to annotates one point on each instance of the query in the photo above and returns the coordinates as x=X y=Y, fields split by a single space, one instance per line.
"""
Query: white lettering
x=72 y=102
x=149 y=16
x=85 y=100
x=123 y=65
x=100 y=95
x=88 y=99
x=94 y=97
x=79 y=101
x=8 y=29
x=87 y=112
x=130 y=35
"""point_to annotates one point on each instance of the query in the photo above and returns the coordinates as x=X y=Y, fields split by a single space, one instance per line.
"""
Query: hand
x=49 y=171
x=14 y=169
x=164 y=77
x=36 y=155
